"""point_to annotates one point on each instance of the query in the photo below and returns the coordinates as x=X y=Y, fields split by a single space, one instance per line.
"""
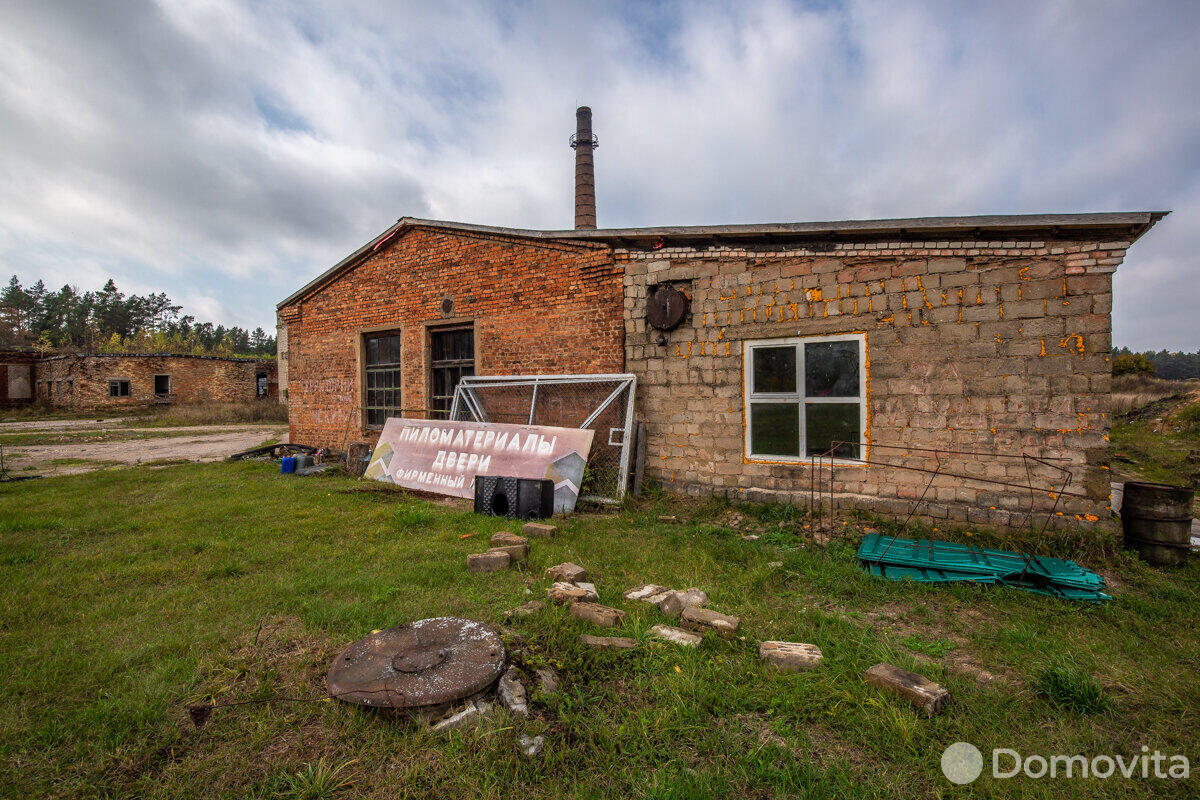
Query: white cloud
x=226 y=152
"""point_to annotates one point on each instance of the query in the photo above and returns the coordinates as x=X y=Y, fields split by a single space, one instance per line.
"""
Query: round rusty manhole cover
x=423 y=663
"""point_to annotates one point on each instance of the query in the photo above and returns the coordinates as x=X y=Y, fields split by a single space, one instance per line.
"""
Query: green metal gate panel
x=934 y=561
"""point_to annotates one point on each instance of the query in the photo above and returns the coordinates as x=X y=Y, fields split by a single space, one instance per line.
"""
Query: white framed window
x=805 y=397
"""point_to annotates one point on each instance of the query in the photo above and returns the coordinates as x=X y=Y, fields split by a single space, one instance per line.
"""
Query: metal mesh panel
x=602 y=403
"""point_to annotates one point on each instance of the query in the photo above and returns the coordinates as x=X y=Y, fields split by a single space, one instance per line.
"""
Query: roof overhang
x=1123 y=225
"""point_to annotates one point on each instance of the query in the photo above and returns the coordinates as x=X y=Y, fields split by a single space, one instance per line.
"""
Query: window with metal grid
x=452 y=355
x=381 y=393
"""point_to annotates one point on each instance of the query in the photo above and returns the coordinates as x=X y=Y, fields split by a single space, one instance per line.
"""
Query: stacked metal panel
x=934 y=561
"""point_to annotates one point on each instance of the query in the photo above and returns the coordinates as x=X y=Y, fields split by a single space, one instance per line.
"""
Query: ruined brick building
x=863 y=354
x=83 y=381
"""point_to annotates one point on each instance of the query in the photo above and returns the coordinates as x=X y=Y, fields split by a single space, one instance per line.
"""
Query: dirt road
x=128 y=446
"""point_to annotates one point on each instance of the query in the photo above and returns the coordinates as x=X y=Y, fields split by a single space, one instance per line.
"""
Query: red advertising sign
x=444 y=457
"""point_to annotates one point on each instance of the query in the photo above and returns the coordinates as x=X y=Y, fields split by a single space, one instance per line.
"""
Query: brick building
x=389 y=330
x=83 y=381
x=16 y=375
x=862 y=356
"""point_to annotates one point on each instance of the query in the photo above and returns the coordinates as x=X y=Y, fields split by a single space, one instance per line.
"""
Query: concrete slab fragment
x=597 y=614
x=490 y=561
x=922 y=693
x=790 y=656
x=571 y=573
x=678 y=636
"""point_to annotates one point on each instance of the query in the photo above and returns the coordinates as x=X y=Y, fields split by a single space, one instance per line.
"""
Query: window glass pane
x=775 y=429
x=831 y=369
x=774 y=369
x=826 y=423
x=372 y=351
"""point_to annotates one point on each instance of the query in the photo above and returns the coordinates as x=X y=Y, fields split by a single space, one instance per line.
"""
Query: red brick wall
x=81 y=381
x=537 y=308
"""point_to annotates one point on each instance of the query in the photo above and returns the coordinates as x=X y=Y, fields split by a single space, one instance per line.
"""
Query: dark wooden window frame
x=373 y=374
x=114 y=387
x=439 y=404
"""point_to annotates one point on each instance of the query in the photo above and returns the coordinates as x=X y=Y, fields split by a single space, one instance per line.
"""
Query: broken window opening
x=162 y=385
x=118 y=387
x=261 y=386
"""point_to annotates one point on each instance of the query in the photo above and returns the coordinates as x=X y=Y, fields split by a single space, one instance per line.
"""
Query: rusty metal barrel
x=1157 y=520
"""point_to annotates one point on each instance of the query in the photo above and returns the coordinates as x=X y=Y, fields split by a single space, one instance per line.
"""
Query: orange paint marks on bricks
x=1077 y=346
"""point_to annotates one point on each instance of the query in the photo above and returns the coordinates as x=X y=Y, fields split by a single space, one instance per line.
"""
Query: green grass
x=129 y=593
x=1068 y=686
x=935 y=648
x=1154 y=443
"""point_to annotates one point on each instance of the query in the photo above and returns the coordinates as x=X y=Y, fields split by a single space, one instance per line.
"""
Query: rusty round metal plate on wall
x=666 y=308
x=425 y=663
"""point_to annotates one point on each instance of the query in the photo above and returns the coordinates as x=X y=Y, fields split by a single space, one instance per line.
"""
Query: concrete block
x=613 y=642
x=597 y=614
x=790 y=656
x=673 y=604
x=562 y=592
x=516 y=552
x=704 y=619
x=678 y=636
x=591 y=595
x=491 y=561
x=925 y=695
x=567 y=572
x=538 y=530
x=651 y=593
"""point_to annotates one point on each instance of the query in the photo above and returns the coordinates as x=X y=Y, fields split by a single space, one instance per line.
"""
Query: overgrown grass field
x=128 y=594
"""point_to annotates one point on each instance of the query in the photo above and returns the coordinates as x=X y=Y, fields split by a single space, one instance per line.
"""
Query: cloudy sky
x=227 y=152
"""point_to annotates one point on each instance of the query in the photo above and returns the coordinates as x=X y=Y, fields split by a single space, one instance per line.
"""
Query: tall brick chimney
x=584 y=142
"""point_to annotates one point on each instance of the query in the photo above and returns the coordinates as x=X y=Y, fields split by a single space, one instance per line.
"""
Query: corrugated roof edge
x=1136 y=223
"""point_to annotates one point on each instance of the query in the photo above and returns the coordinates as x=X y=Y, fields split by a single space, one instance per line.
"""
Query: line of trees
x=1163 y=364
x=109 y=321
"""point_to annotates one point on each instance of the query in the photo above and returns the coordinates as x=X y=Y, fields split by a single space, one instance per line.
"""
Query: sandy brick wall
x=981 y=347
x=536 y=307
x=81 y=382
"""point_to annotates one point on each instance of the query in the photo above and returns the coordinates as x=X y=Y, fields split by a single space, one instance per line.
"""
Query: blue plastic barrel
x=287 y=466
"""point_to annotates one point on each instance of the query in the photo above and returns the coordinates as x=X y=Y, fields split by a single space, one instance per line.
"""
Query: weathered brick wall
x=982 y=347
x=16 y=377
x=81 y=381
x=537 y=308
x=281 y=357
